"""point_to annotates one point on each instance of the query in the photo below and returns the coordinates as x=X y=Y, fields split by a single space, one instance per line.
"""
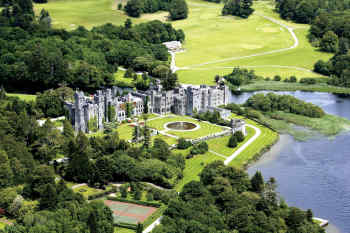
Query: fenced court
x=128 y=212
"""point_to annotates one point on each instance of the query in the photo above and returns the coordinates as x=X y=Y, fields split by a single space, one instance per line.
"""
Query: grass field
x=253 y=36
x=267 y=137
x=194 y=166
x=69 y=14
x=219 y=145
x=25 y=97
x=205 y=128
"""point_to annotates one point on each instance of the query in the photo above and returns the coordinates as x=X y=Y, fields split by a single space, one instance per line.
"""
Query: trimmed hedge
x=126 y=225
x=101 y=194
x=156 y=205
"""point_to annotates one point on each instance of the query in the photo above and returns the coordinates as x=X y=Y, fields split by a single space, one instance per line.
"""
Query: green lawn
x=194 y=166
x=2 y=225
x=267 y=137
x=25 y=97
x=219 y=145
x=205 y=128
x=123 y=230
x=119 y=78
x=69 y=14
x=86 y=190
x=253 y=36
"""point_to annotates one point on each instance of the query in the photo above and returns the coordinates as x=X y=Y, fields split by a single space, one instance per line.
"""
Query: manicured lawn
x=252 y=36
x=219 y=145
x=194 y=166
x=25 y=97
x=267 y=137
x=69 y=14
x=125 y=131
x=205 y=128
x=123 y=230
x=119 y=77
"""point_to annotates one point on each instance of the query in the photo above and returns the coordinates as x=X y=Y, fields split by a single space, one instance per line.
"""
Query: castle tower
x=99 y=100
x=80 y=123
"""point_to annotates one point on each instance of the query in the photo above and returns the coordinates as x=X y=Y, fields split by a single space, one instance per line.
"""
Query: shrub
x=183 y=144
x=309 y=81
x=277 y=78
x=232 y=142
x=120 y=6
x=144 y=203
x=149 y=196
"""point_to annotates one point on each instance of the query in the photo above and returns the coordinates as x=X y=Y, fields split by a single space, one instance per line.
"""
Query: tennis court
x=128 y=212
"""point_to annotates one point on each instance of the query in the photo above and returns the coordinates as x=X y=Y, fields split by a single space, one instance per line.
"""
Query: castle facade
x=181 y=101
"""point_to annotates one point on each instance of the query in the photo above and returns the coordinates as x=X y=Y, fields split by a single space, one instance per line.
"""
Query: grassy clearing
x=123 y=230
x=266 y=138
x=69 y=14
x=194 y=166
x=219 y=145
x=282 y=86
x=86 y=191
x=253 y=32
x=205 y=128
x=328 y=125
x=119 y=78
x=2 y=225
x=25 y=97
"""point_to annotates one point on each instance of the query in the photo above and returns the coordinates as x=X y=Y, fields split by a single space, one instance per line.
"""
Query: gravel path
x=250 y=141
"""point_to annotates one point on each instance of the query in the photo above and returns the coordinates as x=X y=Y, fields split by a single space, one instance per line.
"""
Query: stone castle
x=181 y=101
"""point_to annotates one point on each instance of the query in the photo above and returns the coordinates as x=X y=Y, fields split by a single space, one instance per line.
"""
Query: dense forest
x=35 y=57
x=177 y=8
x=273 y=102
x=226 y=200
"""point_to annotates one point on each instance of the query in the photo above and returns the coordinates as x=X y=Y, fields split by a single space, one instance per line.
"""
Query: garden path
x=250 y=141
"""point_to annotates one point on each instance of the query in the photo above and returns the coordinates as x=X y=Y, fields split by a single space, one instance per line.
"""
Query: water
x=313 y=174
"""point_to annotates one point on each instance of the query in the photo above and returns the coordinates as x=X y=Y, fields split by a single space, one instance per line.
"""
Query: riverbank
x=286 y=86
x=303 y=128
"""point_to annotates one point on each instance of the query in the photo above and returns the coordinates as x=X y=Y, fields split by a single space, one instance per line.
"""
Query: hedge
x=126 y=225
x=156 y=205
x=101 y=194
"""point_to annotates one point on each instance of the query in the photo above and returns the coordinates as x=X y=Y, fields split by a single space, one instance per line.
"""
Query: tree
x=128 y=23
x=145 y=107
x=129 y=109
x=239 y=136
x=146 y=137
x=48 y=198
x=232 y=142
x=309 y=215
x=133 y=8
x=241 y=8
x=330 y=42
x=6 y=174
x=68 y=131
x=277 y=78
x=139 y=228
x=136 y=133
x=257 y=182
x=40 y=177
x=178 y=9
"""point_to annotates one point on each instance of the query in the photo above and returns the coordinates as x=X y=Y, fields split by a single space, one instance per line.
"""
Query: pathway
x=250 y=141
x=215 y=153
x=153 y=225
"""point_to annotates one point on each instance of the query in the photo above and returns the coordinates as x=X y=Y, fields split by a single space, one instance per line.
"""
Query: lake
x=313 y=174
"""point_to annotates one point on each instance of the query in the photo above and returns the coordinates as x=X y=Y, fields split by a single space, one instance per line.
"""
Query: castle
x=181 y=101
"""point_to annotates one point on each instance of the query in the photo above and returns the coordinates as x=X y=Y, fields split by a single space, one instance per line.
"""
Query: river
x=313 y=174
